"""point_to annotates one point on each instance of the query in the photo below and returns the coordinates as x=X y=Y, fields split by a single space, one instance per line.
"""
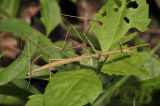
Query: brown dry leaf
x=29 y=12
x=86 y=9
x=9 y=45
x=158 y=3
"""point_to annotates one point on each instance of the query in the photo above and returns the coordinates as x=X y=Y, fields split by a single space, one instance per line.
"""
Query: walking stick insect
x=59 y=62
x=78 y=58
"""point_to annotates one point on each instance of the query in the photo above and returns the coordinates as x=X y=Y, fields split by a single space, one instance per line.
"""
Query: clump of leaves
x=80 y=86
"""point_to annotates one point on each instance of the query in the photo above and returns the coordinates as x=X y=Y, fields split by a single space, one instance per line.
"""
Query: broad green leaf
x=17 y=26
x=91 y=63
x=19 y=64
x=36 y=100
x=126 y=64
x=50 y=13
x=73 y=88
x=152 y=65
x=117 y=17
x=23 y=84
x=9 y=8
x=9 y=89
x=10 y=100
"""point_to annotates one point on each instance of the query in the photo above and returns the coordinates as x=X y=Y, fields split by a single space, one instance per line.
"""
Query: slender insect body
x=58 y=62
x=77 y=58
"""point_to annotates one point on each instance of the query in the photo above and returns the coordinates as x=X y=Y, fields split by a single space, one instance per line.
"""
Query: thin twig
x=76 y=17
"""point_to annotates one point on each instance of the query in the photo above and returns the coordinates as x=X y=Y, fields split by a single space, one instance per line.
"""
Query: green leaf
x=9 y=8
x=17 y=26
x=152 y=65
x=50 y=13
x=128 y=38
x=11 y=101
x=9 y=89
x=22 y=83
x=91 y=62
x=36 y=100
x=126 y=64
x=73 y=88
x=117 y=17
x=18 y=65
